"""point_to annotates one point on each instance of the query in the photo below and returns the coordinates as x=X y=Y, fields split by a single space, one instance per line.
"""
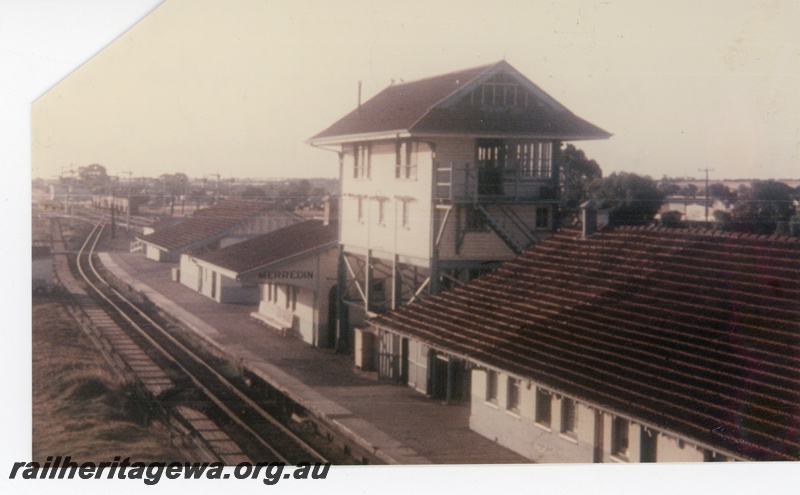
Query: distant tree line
x=763 y=207
x=171 y=189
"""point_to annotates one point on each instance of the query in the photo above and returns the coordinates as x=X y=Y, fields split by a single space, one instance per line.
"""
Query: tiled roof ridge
x=708 y=232
x=480 y=69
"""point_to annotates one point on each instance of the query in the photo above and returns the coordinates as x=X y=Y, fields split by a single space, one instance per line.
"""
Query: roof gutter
x=354 y=138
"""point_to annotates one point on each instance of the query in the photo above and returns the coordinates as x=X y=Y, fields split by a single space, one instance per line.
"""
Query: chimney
x=589 y=218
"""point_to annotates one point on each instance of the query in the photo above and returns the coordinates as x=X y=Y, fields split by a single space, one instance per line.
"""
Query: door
x=490 y=159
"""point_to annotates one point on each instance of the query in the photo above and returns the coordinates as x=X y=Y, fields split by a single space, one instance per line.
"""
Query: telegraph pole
x=128 y=212
x=216 y=193
x=706 y=170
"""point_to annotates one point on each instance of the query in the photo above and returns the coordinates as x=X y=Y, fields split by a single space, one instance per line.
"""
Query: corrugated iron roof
x=275 y=246
x=694 y=333
x=207 y=223
x=417 y=107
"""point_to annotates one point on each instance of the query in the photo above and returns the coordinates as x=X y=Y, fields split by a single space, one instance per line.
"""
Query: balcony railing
x=465 y=183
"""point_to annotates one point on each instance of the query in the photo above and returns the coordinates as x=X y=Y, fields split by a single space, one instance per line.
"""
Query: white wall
x=520 y=432
x=310 y=309
x=389 y=235
x=190 y=272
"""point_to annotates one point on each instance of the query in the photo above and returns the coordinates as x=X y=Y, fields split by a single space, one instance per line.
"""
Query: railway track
x=261 y=437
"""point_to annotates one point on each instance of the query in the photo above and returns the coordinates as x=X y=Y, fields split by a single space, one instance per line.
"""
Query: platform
x=399 y=425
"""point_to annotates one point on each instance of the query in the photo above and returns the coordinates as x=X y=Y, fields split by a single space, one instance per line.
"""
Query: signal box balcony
x=459 y=183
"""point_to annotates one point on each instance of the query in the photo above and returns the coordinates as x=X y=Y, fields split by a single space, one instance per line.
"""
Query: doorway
x=490 y=160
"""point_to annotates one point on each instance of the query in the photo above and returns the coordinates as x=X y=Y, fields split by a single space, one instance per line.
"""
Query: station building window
x=569 y=418
x=491 y=386
x=648 y=445
x=543 y=413
x=619 y=437
x=512 y=395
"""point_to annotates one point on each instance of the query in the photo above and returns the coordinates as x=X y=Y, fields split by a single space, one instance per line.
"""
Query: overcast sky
x=236 y=87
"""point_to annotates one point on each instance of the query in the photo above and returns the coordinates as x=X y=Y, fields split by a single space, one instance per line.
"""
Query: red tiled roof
x=690 y=332
x=275 y=246
x=207 y=224
x=415 y=107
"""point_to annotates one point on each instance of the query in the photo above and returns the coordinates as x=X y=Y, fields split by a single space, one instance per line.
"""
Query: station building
x=220 y=225
x=289 y=273
x=119 y=204
x=626 y=345
x=442 y=179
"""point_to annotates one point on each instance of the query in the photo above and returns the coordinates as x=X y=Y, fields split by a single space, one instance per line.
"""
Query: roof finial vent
x=589 y=218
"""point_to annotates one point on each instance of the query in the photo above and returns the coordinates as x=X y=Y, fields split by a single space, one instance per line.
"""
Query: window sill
x=513 y=414
x=544 y=427
x=492 y=403
x=619 y=458
x=569 y=437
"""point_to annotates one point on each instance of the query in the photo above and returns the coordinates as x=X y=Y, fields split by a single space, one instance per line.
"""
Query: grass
x=79 y=408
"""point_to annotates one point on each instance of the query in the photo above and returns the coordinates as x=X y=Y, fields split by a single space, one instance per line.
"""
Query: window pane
x=491 y=386
x=512 y=398
x=543 y=407
x=619 y=437
x=568 y=416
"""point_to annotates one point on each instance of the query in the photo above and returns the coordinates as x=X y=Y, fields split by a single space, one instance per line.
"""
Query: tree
x=671 y=219
x=93 y=176
x=578 y=171
x=632 y=199
x=724 y=220
x=721 y=192
x=669 y=188
x=690 y=190
x=760 y=207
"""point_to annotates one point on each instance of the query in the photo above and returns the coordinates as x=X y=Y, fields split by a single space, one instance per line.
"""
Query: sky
x=237 y=87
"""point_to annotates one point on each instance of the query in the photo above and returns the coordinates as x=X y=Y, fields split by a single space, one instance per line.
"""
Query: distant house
x=693 y=211
x=441 y=179
x=223 y=224
x=42 y=268
x=628 y=345
x=290 y=273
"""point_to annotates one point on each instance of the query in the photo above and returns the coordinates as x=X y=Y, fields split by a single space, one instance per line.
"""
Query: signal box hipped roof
x=456 y=104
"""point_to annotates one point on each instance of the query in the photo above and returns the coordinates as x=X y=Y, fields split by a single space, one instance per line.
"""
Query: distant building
x=628 y=345
x=72 y=193
x=290 y=273
x=42 y=268
x=442 y=179
x=693 y=211
x=223 y=224
x=120 y=204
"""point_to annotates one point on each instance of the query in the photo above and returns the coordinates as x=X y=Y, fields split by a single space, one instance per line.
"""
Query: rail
x=243 y=414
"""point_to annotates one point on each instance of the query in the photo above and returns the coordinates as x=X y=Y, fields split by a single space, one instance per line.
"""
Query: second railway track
x=262 y=438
